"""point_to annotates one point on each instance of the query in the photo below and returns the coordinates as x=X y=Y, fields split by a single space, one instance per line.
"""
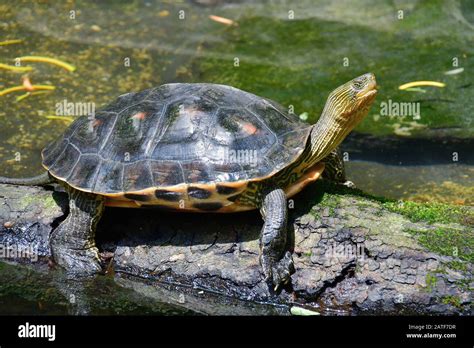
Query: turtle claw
x=349 y=184
x=277 y=287
x=282 y=270
x=279 y=272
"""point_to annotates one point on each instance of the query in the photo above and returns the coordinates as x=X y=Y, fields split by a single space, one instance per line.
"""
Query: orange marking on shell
x=140 y=115
x=249 y=128
x=96 y=123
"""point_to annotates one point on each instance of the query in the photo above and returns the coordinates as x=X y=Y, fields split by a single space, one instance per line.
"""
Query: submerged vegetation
x=298 y=62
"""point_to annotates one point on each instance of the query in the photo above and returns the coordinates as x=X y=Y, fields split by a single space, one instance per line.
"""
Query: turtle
x=196 y=147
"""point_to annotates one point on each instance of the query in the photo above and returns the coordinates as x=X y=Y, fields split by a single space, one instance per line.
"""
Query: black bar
x=242 y=330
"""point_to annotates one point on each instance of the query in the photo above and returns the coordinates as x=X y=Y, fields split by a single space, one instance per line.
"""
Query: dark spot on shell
x=135 y=197
x=226 y=190
x=208 y=206
x=198 y=193
x=163 y=207
x=170 y=196
x=233 y=198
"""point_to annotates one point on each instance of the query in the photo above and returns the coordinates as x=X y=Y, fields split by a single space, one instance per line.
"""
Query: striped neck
x=346 y=106
x=326 y=135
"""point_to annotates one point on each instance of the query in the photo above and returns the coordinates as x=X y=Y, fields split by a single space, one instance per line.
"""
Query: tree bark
x=352 y=255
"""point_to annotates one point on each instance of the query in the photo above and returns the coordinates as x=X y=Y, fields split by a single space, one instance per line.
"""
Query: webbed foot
x=77 y=261
x=279 y=272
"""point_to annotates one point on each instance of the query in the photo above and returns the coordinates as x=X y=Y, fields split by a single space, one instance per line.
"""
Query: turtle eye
x=359 y=83
x=364 y=82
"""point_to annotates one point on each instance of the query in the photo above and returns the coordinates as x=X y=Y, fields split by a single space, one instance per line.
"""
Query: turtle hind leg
x=277 y=264
x=72 y=242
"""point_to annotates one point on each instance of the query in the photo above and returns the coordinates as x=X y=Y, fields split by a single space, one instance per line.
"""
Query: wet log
x=353 y=253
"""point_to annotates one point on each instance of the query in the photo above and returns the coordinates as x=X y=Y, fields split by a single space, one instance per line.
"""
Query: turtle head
x=346 y=106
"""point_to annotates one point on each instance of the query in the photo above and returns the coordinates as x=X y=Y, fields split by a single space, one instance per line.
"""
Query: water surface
x=294 y=53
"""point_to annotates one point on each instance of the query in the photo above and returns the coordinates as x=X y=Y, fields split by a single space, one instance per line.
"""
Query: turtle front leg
x=276 y=263
x=335 y=169
x=72 y=242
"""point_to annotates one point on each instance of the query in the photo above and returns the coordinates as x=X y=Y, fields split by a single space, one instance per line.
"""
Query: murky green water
x=25 y=291
x=292 y=52
x=37 y=290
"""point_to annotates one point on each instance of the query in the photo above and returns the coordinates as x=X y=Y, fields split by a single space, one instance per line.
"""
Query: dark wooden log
x=353 y=253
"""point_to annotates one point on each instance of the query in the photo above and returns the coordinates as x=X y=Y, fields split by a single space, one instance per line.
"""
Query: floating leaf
x=53 y=61
x=454 y=71
x=26 y=95
x=421 y=83
x=61 y=118
x=302 y=311
x=222 y=20
x=23 y=88
x=15 y=68
x=10 y=42
x=415 y=89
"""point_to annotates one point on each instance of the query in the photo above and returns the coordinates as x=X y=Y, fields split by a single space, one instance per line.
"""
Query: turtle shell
x=176 y=134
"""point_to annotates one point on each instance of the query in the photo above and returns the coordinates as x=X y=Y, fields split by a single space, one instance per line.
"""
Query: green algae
x=458 y=243
x=431 y=212
x=326 y=194
x=299 y=62
x=431 y=280
x=452 y=300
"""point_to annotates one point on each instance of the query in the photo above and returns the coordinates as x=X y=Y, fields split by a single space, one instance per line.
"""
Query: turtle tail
x=38 y=180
